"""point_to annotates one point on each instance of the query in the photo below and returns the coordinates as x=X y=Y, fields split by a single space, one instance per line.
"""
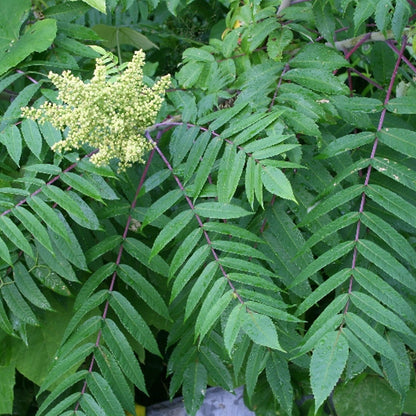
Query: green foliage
x=268 y=238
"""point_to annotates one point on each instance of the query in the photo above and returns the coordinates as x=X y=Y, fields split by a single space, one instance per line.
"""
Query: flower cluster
x=108 y=113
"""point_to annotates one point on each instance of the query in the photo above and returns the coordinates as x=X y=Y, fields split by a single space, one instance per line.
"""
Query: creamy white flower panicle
x=110 y=114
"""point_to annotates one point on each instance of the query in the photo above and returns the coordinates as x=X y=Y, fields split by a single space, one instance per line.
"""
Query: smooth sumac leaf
x=161 y=205
x=261 y=330
x=400 y=18
x=28 y=288
x=32 y=136
x=278 y=377
x=317 y=80
x=232 y=327
x=103 y=393
x=44 y=168
x=328 y=257
x=123 y=353
x=396 y=171
x=81 y=184
x=217 y=370
x=357 y=347
x=323 y=289
x=112 y=373
x=379 y=313
x=402 y=140
x=171 y=230
x=220 y=210
x=195 y=154
x=327 y=364
x=181 y=142
x=104 y=246
x=133 y=322
x=386 y=262
x=348 y=142
x=276 y=182
x=369 y=336
x=199 y=287
x=12 y=232
x=232 y=230
x=240 y=249
x=17 y=304
x=195 y=380
x=184 y=250
x=271 y=311
x=89 y=218
x=144 y=289
x=231 y=168
x=32 y=224
x=64 y=404
x=358 y=104
x=245 y=266
x=4 y=252
x=189 y=269
x=402 y=105
x=62 y=198
x=48 y=215
x=381 y=290
x=90 y=406
x=256 y=362
x=5 y=324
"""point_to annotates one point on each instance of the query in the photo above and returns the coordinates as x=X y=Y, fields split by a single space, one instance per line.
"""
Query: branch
x=350 y=43
x=283 y=5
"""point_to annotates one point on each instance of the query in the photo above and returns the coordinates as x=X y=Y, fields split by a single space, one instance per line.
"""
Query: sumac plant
x=257 y=228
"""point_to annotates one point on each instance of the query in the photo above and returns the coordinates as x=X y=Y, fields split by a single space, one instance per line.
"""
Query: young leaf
x=327 y=364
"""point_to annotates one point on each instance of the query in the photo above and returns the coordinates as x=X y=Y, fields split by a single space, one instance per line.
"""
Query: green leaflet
x=369 y=336
x=171 y=230
x=161 y=205
x=90 y=406
x=195 y=380
x=189 y=269
x=402 y=105
x=332 y=202
x=195 y=154
x=240 y=249
x=63 y=364
x=4 y=252
x=396 y=171
x=199 y=287
x=230 y=170
x=323 y=289
x=401 y=140
x=108 y=244
x=48 y=215
x=27 y=287
x=120 y=348
x=317 y=80
x=217 y=370
x=379 y=313
x=220 y=210
x=17 y=304
x=328 y=257
x=357 y=347
x=348 y=142
x=12 y=139
x=327 y=364
x=64 y=404
x=256 y=362
x=12 y=232
x=103 y=394
x=139 y=251
x=245 y=266
x=278 y=376
x=261 y=330
x=5 y=324
x=276 y=182
x=386 y=262
x=143 y=288
x=81 y=184
x=133 y=322
x=232 y=230
x=398 y=372
x=271 y=311
x=232 y=327
x=390 y=236
x=112 y=373
x=181 y=142
x=184 y=250
x=381 y=290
